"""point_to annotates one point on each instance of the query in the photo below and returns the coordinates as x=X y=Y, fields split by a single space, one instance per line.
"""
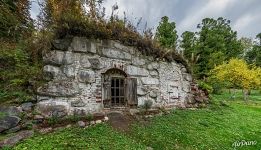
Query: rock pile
x=198 y=98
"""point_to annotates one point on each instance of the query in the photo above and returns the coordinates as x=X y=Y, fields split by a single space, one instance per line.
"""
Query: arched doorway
x=118 y=90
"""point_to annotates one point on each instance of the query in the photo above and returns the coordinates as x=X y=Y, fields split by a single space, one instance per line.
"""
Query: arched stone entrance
x=118 y=90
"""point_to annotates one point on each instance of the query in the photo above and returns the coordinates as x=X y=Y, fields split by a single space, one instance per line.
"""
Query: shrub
x=89 y=117
x=147 y=105
x=19 y=76
x=205 y=86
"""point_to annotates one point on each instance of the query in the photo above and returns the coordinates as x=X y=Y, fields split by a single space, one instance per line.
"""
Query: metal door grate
x=117 y=92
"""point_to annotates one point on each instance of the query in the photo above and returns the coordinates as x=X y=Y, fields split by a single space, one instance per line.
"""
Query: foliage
x=15 y=19
x=181 y=129
x=214 y=43
x=238 y=74
x=188 y=45
x=205 y=86
x=253 y=56
x=216 y=85
x=20 y=63
x=17 y=73
x=166 y=33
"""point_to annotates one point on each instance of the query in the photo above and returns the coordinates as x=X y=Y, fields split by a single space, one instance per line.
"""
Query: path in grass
x=216 y=127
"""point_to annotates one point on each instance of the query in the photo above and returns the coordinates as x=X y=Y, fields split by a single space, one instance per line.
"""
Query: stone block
x=59 y=89
x=149 y=81
x=69 y=70
x=111 y=53
x=137 y=71
x=52 y=72
x=153 y=66
x=141 y=91
x=138 y=61
x=86 y=76
x=52 y=108
x=54 y=57
x=85 y=62
x=82 y=44
x=154 y=73
x=95 y=63
x=68 y=58
x=78 y=103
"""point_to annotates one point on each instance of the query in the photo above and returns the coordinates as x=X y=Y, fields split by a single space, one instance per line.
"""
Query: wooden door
x=131 y=91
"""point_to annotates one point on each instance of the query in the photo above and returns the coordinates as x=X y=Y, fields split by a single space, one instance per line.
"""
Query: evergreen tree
x=166 y=33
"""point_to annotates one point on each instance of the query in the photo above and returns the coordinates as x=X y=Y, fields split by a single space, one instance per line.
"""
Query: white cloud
x=244 y=21
x=213 y=8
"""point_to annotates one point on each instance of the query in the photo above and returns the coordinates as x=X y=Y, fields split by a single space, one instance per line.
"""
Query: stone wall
x=74 y=70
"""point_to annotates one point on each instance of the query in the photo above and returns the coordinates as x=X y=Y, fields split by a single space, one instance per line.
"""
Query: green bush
x=18 y=74
x=205 y=86
x=147 y=105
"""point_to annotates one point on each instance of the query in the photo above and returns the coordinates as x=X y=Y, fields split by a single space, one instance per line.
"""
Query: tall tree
x=189 y=48
x=253 y=56
x=15 y=18
x=217 y=42
x=166 y=33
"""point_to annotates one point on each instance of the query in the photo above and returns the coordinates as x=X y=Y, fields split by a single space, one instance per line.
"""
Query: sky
x=245 y=15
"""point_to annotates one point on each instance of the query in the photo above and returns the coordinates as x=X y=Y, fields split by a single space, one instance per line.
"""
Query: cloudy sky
x=245 y=15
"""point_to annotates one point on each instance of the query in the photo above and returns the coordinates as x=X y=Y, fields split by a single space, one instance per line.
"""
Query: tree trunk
x=233 y=94
x=246 y=95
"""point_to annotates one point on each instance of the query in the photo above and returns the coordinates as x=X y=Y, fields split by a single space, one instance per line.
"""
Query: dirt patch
x=120 y=121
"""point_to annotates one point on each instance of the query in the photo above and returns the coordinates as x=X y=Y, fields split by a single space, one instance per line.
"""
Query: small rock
x=27 y=106
x=153 y=94
x=57 y=128
x=106 y=118
x=98 y=121
x=81 y=124
x=46 y=130
x=98 y=116
x=38 y=118
x=133 y=111
x=92 y=122
x=11 y=141
x=68 y=126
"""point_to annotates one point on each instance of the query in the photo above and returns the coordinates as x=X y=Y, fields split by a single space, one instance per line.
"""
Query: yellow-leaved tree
x=237 y=73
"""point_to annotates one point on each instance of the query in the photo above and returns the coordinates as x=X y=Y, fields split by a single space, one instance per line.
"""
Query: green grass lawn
x=216 y=127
